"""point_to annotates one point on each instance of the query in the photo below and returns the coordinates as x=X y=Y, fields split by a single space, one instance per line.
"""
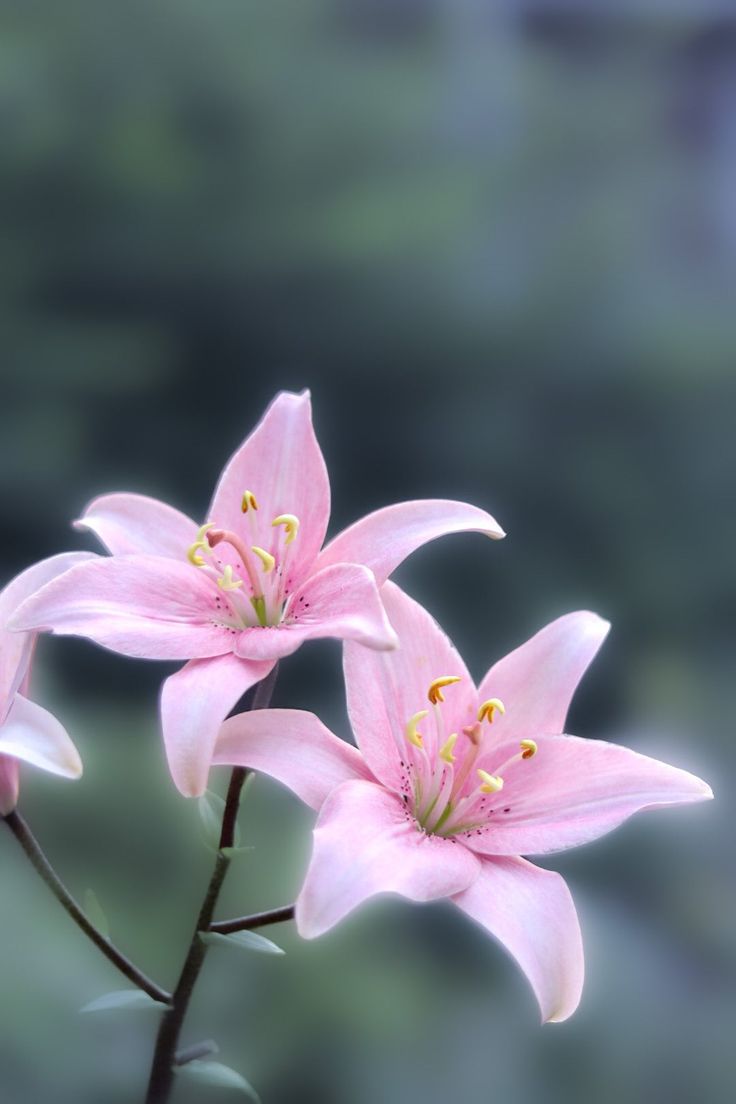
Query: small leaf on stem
x=132 y=999
x=243 y=941
x=233 y=852
x=211 y=812
x=214 y=1073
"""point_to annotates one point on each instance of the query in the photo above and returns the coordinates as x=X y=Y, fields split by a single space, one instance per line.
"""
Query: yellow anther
x=248 y=502
x=412 y=735
x=265 y=557
x=434 y=693
x=488 y=708
x=491 y=783
x=193 y=553
x=528 y=749
x=226 y=581
x=290 y=523
x=446 y=749
x=200 y=543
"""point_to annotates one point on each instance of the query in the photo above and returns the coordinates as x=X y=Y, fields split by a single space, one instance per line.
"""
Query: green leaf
x=214 y=1073
x=94 y=913
x=243 y=940
x=233 y=852
x=132 y=999
x=211 y=812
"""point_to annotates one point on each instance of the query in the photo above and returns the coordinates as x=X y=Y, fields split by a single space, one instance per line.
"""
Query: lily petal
x=574 y=791
x=132 y=523
x=32 y=734
x=16 y=648
x=9 y=784
x=385 y=690
x=530 y=911
x=292 y=746
x=383 y=539
x=537 y=680
x=282 y=465
x=194 y=702
x=364 y=844
x=144 y=606
x=341 y=601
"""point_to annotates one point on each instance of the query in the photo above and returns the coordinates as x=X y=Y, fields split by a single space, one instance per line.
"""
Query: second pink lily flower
x=452 y=784
x=249 y=586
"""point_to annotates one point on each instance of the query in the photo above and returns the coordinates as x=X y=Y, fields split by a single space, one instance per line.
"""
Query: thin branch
x=256 y=920
x=164 y=1058
x=41 y=864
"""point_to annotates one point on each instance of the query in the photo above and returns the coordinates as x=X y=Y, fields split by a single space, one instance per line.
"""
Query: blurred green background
x=498 y=241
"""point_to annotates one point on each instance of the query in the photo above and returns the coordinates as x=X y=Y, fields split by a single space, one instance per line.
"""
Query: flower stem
x=255 y=920
x=164 y=1058
x=41 y=864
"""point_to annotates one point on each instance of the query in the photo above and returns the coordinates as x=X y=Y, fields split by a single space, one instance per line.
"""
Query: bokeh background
x=498 y=241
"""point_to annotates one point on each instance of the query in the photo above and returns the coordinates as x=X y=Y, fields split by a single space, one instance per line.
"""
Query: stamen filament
x=217 y=536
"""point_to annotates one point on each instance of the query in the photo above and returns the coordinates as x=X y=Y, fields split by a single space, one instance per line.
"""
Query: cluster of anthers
x=254 y=581
x=446 y=794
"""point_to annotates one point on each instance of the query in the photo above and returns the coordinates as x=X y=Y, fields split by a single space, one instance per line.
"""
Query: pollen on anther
x=290 y=523
x=412 y=735
x=434 y=693
x=265 y=557
x=528 y=749
x=489 y=707
x=490 y=783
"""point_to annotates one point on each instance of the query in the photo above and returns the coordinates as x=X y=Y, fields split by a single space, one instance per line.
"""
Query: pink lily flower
x=27 y=731
x=249 y=586
x=452 y=784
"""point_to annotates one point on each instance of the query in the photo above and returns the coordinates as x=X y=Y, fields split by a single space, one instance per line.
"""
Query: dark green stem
x=255 y=920
x=164 y=1058
x=41 y=864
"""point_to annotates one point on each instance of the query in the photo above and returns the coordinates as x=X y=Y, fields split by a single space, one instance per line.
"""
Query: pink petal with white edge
x=194 y=703
x=530 y=911
x=364 y=844
x=292 y=746
x=32 y=734
x=128 y=524
x=282 y=465
x=537 y=680
x=574 y=791
x=382 y=540
x=9 y=782
x=145 y=606
x=384 y=691
x=341 y=601
x=15 y=647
